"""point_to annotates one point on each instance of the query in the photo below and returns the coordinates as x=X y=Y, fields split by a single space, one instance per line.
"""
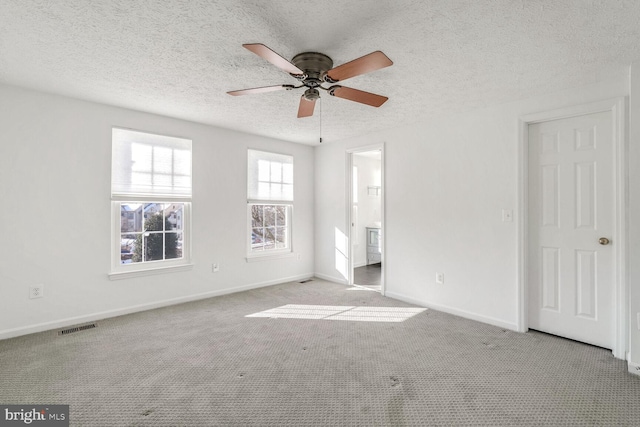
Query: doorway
x=366 y=231
x=572 y=231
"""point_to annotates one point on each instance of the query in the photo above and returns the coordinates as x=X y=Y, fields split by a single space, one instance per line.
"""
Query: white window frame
x=124 y=271
x=274 y=253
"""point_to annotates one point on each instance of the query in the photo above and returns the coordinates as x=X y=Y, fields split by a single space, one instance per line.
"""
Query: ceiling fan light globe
x=311 y=94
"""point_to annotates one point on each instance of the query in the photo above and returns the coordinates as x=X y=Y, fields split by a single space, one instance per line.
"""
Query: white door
x=571 y=205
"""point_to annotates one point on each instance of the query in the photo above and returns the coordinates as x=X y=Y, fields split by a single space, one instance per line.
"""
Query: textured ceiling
x=179 y=58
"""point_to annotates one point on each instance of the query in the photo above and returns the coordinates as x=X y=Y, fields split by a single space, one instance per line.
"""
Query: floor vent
x=306 y=281
x=77 y=329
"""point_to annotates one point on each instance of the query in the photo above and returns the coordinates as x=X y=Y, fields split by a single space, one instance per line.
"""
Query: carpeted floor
x=206 y=364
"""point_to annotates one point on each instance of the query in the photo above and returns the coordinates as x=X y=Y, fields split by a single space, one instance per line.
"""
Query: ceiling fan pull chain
x=320 y=120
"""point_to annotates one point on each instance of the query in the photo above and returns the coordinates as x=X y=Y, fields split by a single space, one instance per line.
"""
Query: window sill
x=119 y=275
x=270 y=257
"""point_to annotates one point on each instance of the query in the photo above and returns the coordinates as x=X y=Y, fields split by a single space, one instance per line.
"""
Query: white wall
x=55 y=160
x=369 y=207
x=330 y=217
x=446 y=183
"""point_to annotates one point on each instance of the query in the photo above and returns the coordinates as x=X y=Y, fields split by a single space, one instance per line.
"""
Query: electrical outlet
x=215 y=268
x=440 y=278
x=36 y=291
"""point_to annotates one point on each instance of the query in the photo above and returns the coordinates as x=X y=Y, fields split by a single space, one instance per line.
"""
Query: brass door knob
x=604 y=241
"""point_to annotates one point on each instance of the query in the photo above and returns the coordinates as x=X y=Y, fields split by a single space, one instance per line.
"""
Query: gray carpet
x=205 y=364
x=369 y=276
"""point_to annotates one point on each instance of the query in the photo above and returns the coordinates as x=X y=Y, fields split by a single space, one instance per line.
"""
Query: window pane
x=275 y=191
x=162 y=160
x=153 y=250
x=153 y=217
x=264 y=190
x=281 y=237
x=182 y=162
x=141 y=157
x=172 y=245
x=128 y=248
x=276 y=172
x=130 y=217
x=173 y=214
x=269 y=237
x=180 y=245
x=257 y=216
x=257 y=238
x=269 y=216
x=281 y=215
x=263 y=170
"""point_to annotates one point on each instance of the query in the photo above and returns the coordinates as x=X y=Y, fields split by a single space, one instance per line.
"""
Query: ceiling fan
x=313 y=69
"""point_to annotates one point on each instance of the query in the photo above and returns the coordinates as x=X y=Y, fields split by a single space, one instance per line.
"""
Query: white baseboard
x=56 y=324
x=328 y=278
x=634 y=368
x=457 y=312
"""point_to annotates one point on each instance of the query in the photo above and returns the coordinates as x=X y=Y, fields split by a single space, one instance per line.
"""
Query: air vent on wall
x=77 y=329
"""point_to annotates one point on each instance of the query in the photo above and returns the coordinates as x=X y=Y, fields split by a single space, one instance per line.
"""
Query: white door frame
x=349 y=198
x=617 y=108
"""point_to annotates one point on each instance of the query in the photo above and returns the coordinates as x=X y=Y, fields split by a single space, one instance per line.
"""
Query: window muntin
x=151 y=194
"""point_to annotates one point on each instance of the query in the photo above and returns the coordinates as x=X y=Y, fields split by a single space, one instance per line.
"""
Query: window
x=151 y=200
x=269 y=203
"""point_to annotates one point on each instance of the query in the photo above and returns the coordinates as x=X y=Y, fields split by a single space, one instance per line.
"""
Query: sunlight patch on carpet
x=340 y=312
x=365 y=288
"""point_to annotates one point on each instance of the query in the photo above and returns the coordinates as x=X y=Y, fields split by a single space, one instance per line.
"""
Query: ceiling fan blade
x=260 y=90
x=277 y=60
x=365 y=64
x=357 y=95
x=306 y=107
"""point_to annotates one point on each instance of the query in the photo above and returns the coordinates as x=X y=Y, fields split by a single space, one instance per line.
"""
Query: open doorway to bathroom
x=366 y=219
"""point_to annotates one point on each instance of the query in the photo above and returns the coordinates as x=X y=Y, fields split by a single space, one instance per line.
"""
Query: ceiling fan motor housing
x=315 y=66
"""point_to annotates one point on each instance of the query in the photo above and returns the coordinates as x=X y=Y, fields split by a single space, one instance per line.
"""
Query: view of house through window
x=150 y=231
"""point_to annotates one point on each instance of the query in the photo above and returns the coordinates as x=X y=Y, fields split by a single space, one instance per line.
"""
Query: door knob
x=604 y=241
